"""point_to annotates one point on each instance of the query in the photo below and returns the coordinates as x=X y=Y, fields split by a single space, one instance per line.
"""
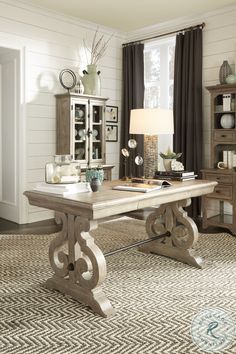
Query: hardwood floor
x=41 y=227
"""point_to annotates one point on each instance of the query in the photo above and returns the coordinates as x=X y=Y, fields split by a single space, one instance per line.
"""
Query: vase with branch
x=91 y=79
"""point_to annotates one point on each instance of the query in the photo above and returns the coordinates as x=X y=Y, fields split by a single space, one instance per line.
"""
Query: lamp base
x=150 y=155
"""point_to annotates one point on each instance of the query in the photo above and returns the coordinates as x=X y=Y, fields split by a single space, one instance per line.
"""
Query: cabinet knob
x=223 y=135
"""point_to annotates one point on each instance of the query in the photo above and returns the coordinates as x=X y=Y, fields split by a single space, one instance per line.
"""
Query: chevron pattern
x=155 y=298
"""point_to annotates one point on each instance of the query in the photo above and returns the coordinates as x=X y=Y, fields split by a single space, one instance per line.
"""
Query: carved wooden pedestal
x=79 y=265
x=180 y=233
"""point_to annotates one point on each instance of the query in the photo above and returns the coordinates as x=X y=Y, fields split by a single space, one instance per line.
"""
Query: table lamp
x=151 y=122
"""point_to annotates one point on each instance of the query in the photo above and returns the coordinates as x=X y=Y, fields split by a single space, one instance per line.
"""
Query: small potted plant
x=94 y=172
x=168 y=157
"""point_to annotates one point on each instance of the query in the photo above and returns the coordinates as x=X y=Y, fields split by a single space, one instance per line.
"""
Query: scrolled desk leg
x=81 y=269
x=180 y=233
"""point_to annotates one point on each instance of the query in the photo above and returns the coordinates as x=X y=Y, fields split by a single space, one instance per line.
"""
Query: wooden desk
x=81 y=271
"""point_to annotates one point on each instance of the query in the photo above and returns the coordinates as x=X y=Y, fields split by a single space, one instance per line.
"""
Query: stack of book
x=63 y=189
x=175 y=175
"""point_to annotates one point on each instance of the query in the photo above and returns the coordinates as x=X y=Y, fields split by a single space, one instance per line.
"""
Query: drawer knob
x=223 y=135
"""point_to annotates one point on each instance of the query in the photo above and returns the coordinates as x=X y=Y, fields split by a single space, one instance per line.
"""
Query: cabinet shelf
x=219 y=219
x=81 y=116
x=223 y=145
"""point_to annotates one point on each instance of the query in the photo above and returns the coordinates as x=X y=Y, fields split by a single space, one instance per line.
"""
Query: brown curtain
x=132 y=97
x=188 y=103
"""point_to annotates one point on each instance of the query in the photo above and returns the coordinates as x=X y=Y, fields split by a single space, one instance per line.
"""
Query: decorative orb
x=125 y=152
x=231 y=79
x=138 y=160
x=227 y=121
x=132 y=143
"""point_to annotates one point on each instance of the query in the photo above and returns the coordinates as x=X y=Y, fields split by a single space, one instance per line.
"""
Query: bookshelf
x=219 y=207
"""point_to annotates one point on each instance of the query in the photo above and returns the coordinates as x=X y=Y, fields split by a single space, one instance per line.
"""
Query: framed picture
x=112 y=114
x=111 y=132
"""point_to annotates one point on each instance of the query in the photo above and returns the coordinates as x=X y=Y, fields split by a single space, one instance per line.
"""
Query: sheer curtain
x=132 y=97
x=188 y=103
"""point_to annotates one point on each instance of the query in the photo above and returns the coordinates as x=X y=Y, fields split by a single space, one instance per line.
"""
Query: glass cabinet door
x=79 y=131
x=97 y=131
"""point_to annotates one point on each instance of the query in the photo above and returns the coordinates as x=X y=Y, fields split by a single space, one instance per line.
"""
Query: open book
x=142 y=185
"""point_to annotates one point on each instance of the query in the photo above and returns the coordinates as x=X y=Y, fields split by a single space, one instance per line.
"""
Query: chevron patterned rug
x=155 y=298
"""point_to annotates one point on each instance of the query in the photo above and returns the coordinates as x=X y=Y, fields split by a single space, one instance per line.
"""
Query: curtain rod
x=202 y=25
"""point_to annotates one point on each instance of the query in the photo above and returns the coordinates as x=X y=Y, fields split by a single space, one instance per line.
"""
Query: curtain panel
x=188 y=103
x=132 y=97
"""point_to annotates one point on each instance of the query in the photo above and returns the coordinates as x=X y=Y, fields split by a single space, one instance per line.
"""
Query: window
x=159 y=79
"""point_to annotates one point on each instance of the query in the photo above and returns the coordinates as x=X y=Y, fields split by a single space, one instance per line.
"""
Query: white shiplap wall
x=49 y=43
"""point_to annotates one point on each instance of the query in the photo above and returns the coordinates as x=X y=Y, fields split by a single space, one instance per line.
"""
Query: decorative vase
x=95 y=184
x=92 y=81
x=225 y=70
x=167 y=164
x=231 y=79
x=62 y=170
x=227 y=121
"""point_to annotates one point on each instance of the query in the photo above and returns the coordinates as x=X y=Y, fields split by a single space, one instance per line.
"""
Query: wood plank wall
x=51 y=43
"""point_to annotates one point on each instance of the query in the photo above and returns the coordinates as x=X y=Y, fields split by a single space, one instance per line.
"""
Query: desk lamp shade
x=151 y=122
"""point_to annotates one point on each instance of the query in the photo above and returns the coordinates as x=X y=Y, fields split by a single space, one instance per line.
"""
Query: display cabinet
x=219 y=207
x=81 y=127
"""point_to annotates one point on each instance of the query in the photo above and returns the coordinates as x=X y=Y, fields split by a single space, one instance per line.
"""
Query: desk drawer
x=224 y=136
x=219 y=178
x=222 y=192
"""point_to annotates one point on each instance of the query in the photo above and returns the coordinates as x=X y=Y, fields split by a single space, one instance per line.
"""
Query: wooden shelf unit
x=221 y=140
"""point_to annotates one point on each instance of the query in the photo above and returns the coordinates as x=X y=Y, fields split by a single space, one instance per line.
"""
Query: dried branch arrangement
x=98 y=48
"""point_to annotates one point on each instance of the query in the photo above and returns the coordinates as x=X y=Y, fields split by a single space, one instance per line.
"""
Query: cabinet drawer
x=222 y=191
x=224 y=136
x=219 y=178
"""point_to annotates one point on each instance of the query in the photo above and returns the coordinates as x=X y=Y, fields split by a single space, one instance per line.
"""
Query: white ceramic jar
x=227 y=121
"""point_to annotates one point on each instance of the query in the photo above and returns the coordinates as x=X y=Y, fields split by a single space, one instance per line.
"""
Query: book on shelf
x=226 y=102
x=174 y=173
x=63 y=189
x=229 y=159
x=142 y=185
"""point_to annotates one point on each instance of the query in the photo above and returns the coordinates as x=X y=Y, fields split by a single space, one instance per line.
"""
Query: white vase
x=92 y=81
x=167 y=164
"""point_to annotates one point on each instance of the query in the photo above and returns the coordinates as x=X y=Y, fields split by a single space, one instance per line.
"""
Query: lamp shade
x=151 y=121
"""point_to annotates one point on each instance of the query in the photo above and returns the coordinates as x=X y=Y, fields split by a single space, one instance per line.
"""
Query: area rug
x=155 y=298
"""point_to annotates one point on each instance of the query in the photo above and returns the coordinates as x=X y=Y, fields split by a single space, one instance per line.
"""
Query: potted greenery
x=168 y=157
x=94 y=172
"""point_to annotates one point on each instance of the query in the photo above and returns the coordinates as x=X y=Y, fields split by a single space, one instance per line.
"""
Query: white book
x=230 y=159
x=225 y=158
x=234 y=158
x=63 y=189
x=227 y=102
